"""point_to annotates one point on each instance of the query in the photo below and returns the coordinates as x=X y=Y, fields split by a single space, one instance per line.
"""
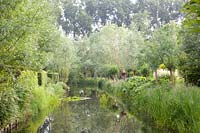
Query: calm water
x=88 y=116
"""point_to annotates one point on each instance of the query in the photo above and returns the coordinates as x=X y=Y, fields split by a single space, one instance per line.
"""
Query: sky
x=133 y=1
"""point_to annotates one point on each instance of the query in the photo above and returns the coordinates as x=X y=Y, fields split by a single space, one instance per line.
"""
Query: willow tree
x=163 y=48
x=112 y=46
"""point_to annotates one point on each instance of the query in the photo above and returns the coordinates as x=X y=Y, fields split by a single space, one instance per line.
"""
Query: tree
x=83 y=17
x=163 y=48
x=152 y=56
x=189 y=60
x=192 y=11
x=62 y=56
x=141 y=23
x=28 y=44
x=21 y=30
x=75 y=20
x=161 y=11
x=112 y=46
x=189 y=64
x=80 y=18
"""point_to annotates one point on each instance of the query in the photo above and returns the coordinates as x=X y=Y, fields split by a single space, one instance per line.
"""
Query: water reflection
x=88 y=117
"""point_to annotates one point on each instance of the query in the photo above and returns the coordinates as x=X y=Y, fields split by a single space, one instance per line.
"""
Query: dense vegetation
x=173 y=108
x=31 y=42
x=46 y=44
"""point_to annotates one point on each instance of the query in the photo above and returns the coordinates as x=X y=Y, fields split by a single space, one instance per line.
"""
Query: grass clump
x=176 y=108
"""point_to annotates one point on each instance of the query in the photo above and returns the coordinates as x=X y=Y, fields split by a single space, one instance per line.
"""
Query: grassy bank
x=176 y=108
x=24 y=99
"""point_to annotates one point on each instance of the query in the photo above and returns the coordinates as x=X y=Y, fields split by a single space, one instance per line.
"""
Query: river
x=88 y=116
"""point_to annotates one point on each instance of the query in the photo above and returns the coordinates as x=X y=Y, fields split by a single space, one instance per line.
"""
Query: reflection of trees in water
x=87 y=116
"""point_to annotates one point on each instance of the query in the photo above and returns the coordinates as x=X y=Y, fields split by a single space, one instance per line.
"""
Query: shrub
x=8 y=105
x=162 y=66
x=104 y=101
x=144 y=70
x=164 y=79
x=113 y=71
x=26 y=82
x=24 y=97
x=46 y=98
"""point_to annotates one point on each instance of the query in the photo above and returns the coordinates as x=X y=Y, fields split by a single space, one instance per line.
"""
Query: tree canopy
x=83 y=17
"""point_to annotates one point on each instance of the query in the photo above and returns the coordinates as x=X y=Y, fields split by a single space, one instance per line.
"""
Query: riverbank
x=27 y=99
x=175 y=108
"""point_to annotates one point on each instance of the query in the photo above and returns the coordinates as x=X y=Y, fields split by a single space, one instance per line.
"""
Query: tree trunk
x=172 y=77
x=156 y=75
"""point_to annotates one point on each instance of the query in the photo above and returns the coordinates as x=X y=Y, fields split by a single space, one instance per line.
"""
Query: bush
x=8 y=105
x=113 y=71
x=145 y=70
x=26 y=82
x=164 y=79
x=24 y=97
x=46 y=98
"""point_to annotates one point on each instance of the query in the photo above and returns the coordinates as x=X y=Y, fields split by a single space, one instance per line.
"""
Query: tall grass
x=175 y=108
x=43 y=102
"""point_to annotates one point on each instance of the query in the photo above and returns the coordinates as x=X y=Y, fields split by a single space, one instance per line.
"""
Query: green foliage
x=27 y=80
x=134 y=85
x=144 y=70
x=30 y=41
x=101 y=83
x=113 y=71
x=104 y=101
x=45 y=99
x=112 y=46
x=189 y=59
x=86 y=16
x=25 y=98
x=89 y=82
x=164 y=47
x=22 y=30
x=74 y=77
x=176 y=108
x=192 y=21
x=8 y=105
x=43 y=78
x=164 y=79
x=160 y=11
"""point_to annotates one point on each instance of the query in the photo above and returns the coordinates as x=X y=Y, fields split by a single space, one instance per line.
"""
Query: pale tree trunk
x=172 y=77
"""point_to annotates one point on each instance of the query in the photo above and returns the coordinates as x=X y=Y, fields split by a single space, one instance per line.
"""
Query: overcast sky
x=133 y=1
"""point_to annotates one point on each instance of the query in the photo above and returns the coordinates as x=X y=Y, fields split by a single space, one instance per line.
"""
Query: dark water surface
x=87 y=116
